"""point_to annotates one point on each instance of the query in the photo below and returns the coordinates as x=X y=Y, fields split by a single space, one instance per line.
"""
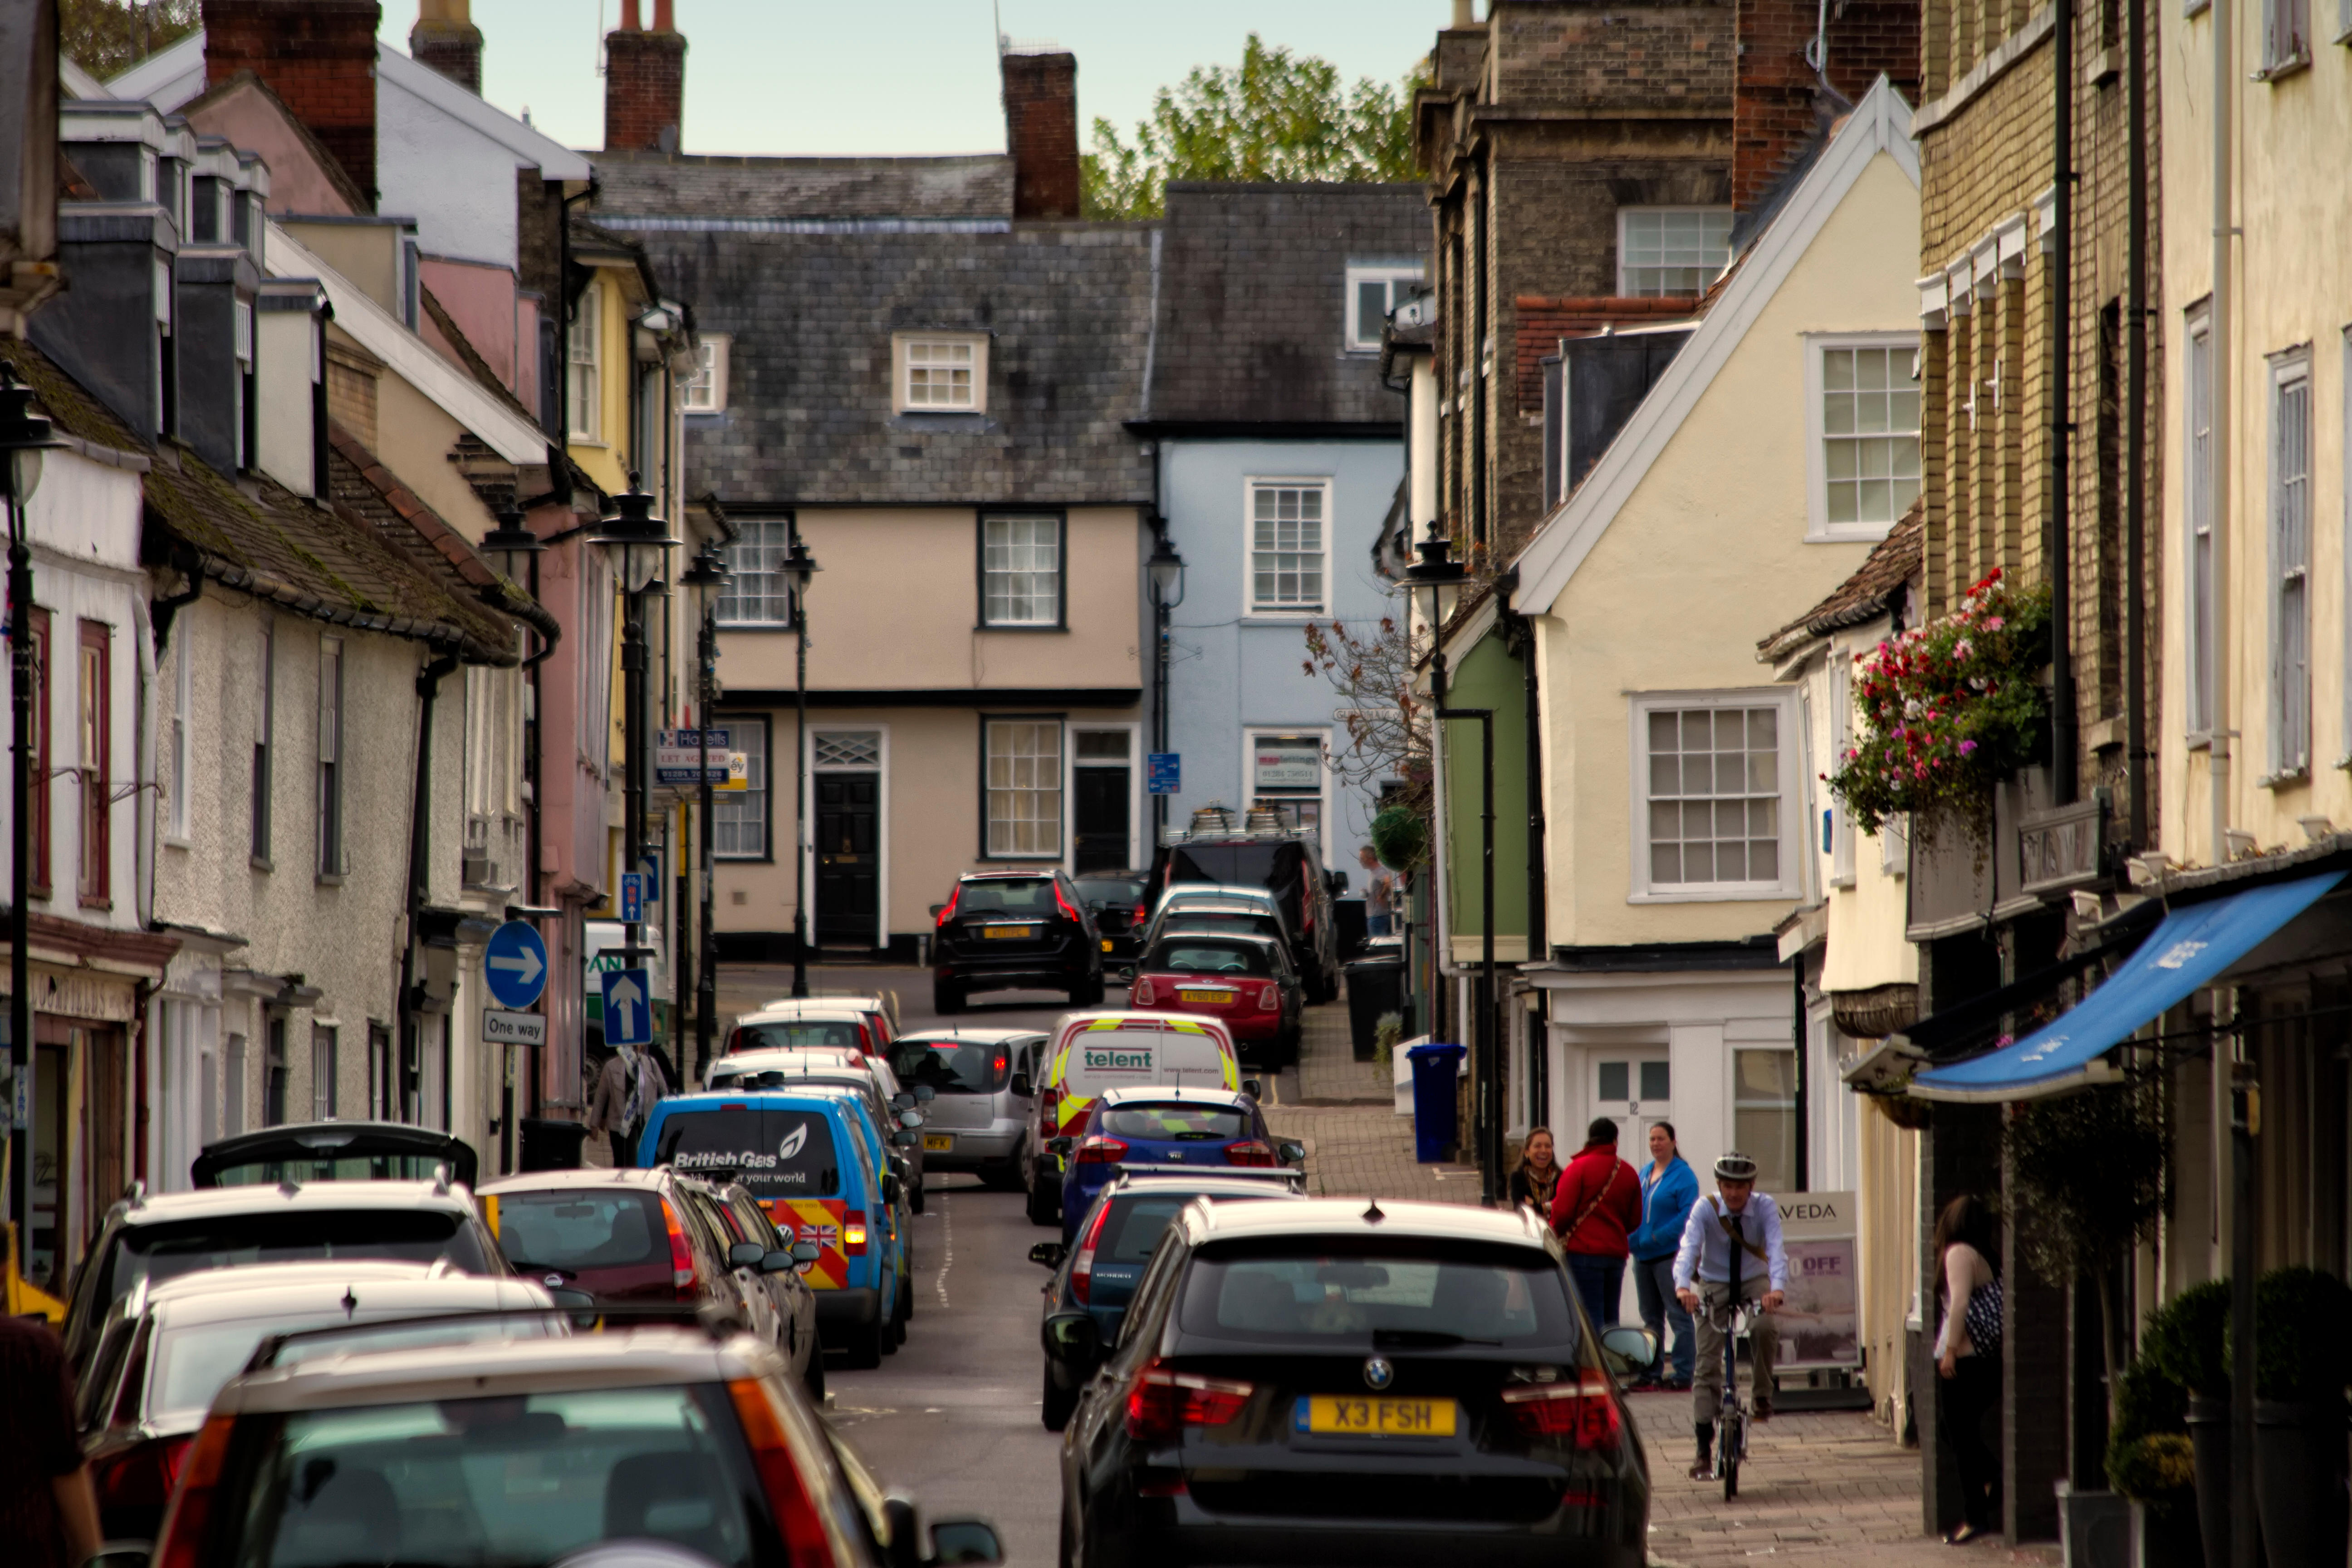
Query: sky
x=906 y=76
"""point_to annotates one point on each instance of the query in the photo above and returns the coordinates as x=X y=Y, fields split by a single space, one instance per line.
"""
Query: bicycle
x=1732 y=1417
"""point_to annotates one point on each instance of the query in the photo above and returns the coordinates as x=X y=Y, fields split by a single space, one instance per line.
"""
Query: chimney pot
x=1463 y=14
x=445 y=38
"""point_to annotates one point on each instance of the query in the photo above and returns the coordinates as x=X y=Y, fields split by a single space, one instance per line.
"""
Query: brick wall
x=1542 y=323
x=350 y=390
x=317 y=56
x=645 y=90
x=1041 y=131
x=1637 y=57
x=1778 y=107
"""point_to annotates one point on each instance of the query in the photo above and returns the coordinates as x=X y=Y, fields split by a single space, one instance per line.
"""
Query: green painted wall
x=1489 y=677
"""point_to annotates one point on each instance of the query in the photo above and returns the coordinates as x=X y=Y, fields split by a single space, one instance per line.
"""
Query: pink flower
x=1966 y=746
x=1994 y=623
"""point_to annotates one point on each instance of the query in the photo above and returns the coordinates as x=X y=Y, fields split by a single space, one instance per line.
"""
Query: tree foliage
x=108 y=37
x=1371 y=669
x=1278 y=116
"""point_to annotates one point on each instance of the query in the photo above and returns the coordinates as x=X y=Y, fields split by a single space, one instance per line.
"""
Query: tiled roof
x=750 y=190
x=1253 y=302
x=1892 y=563
x=1543 y=320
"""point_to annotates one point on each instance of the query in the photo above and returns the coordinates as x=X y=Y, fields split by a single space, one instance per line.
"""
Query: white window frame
x=2200 y=666
x=2290 y=575
x=705 y=391
x=754 y=562
x=902 y=347
x=1059 y=850
x=1251 y=609
x=2282 y=49
x=1364 y=337
x=1819 y=530
x=583 y=362
x=881 y=768
x=1640 y=705
x=1253 y=734
x=1625 y=288
x=1058 y=609
x=333 y=776
x=761 y=777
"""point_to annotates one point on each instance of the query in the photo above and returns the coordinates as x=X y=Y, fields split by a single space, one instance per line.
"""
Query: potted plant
x=2302 y=1360
x=2151 y=1462
x=2185 y=1342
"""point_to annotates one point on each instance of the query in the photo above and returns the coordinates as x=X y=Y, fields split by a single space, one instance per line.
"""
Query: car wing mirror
x=890 y=1183
x=906 y=1137
x=1059 y=1145
x=1023 y=1086
x=901 y=1100
x=1074 y=1338
x=805 y=1251
x=935 y=912
x=965 y=1540
x=911 y=1117
x=1289 y=1152
x=121 y=1554
x=1629 y=1350
x=1048 y=1253
x=925 y=1094
x=746 y=1255
x=779 y=1261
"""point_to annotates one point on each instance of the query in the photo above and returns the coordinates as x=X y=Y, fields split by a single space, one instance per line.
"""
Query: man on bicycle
x=1731 y=1252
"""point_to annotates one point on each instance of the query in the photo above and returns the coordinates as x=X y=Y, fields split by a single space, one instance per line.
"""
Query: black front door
x=848 y=858
x=1102 y=819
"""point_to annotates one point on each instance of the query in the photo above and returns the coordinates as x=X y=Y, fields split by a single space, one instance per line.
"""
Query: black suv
x=1001 y=930
x=1287 y=865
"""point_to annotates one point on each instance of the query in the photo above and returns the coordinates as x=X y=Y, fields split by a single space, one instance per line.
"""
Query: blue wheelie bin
x=1433 y=1070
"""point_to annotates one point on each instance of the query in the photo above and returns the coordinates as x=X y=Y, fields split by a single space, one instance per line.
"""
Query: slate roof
x=1892 y=563
x=751 y=190
x=1253 y=302
x=810 y=316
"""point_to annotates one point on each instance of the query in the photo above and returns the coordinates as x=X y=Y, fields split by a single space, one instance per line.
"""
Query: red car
x=1244 y=982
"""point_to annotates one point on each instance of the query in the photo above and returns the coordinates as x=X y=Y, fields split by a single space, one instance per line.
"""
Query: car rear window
x=1110 y=1058
x=1431 y=1297
x=1272 y=866
x=1172 y=1123
x=775 y=1152
x=514 y=1479
x=954 y=1066
x=801 y=1034
x=1212 y=921
x=577 y=1230
x=1131 y=1231
x=1006 y=895
x=170 y=1248
x=1110 y=890
x=328 y=1168
x=1197 y=957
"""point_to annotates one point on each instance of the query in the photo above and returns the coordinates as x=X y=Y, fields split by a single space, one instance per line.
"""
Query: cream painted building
x=1680 y=778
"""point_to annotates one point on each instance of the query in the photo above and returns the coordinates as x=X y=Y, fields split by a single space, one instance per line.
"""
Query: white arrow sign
x=525 y=963
x=627 y=998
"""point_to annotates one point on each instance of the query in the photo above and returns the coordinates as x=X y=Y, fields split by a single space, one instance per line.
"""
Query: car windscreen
x=578 y=1230
x=514 y=1479
x=1196 y=956
x=1273 y=865
x=1006 y=895
x=801 y=1034
x=1110 y=890
x=954 y=1066
x=1413 y=1293
x=193 y=1362
x=775 y=1152
x=170 y=1248
x=1173 y=1123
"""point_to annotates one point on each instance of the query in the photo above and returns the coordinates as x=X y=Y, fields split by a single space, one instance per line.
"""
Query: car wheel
x=947 y=997
x=914 y=1199
x=866 y=1347
x=906 y=1302
x=1006 y=1179
x=1044 y=1207
x=813 y=1379
x=1055 y=1407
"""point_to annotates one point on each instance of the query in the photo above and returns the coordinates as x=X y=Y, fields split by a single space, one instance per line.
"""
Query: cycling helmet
x=1734 y=1167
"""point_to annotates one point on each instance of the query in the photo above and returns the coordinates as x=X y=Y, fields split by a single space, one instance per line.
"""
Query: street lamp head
x=511 y=543
x=633 y=537
x=705 y=575
x=1167 y=572
x=798 y=566
x=24 y=435
x=1438 y=572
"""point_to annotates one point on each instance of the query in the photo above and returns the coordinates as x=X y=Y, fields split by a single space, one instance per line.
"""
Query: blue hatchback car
x=816 y=1170
x=1186 y=1128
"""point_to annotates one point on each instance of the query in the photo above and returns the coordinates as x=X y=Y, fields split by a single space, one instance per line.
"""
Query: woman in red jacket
x=1597 y=1206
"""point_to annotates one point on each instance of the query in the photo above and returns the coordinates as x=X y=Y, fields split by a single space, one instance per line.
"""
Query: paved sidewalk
x=1344 y=1112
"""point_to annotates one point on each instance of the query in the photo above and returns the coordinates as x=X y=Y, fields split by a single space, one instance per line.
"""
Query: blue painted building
x=1280 y=455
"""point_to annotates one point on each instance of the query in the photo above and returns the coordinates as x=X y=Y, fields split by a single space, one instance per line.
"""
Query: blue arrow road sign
x=628 y=1008
x=1165 y=772
x=515 y=965
x=632 y=896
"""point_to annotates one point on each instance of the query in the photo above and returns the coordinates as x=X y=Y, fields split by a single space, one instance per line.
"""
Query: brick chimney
x=1780 y=103
x=1041 y=131
x=445 y=38
x=317 y=56
x=644 y=81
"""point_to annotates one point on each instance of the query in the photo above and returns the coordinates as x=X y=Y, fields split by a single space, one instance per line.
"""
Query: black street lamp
x=797 y=567
x=704 y=579
x=1444 y=576
x=1165 y=570
x=638 y=543
x=23 y=435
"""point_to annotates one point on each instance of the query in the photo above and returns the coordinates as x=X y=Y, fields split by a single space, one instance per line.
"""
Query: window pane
x=755 y=592
x=739 y=818
x=1286 y=547
x=1024 y=787
x=1614 y=1080
x=1870 y=433
x=1657 y=1081
x=1022 y=570
x=1713 y=814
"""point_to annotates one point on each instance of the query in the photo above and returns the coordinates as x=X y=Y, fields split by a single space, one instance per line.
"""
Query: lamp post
x=23 y=435
x=1165 y=570
x=1444 y=576
x=703 y=580
x=637 y=543
x=797 y=568
x=517 y=548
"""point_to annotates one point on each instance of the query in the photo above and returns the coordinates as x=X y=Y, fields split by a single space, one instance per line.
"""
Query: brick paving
x=1344 y=1112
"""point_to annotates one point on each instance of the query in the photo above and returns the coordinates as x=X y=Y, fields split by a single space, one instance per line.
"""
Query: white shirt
x=1707 y=1253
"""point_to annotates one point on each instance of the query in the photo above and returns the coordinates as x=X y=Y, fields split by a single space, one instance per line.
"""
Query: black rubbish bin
x=1375 y=985
x=1348 y=916
x=552 y=1146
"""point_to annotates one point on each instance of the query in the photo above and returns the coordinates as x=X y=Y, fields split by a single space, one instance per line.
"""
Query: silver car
x=974 y=1121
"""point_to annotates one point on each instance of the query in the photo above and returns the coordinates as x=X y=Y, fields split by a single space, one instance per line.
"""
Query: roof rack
x=1289 y=1173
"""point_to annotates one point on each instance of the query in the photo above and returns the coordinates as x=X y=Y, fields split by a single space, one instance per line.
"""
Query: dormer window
x=705 y=392
x=1374 y=289
x=939 y=373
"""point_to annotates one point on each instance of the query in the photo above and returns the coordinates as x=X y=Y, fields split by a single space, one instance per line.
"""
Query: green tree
x=108 y=37
x=1279 y=116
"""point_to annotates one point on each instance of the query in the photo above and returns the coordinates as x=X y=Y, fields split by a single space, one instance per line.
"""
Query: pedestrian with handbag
x=1968 y=1356
x=628 y=1089
x=1597 y=1206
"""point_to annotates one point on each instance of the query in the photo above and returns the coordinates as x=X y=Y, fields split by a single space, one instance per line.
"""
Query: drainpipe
x=2059 y=545
x=420 y=841
x=2217 y=756
x=2135 y=421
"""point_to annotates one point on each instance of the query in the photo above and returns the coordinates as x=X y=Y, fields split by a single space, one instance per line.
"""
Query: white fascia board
x=553 y=160
x=1880 y=123
x=77 y=83
x=507 y=433
x=1470 y=633
x=166 y=79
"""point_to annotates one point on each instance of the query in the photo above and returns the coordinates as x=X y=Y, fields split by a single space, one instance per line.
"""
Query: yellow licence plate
x=1008 y=931
x=941 y=1141
x=1204 y=997
x=1347 y=1417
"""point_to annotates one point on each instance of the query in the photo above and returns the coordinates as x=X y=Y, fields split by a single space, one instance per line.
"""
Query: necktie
x=1738 y=1247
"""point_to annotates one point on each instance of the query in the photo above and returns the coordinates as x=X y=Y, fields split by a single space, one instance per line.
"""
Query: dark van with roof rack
x=1224 y=849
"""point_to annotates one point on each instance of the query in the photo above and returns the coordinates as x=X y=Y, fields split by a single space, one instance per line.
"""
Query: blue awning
x=2188 y=950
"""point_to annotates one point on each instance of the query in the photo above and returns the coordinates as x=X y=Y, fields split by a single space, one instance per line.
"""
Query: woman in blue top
x=1668 y=1189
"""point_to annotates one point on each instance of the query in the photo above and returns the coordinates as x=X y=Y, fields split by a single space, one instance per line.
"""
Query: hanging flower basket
x=1947 y=711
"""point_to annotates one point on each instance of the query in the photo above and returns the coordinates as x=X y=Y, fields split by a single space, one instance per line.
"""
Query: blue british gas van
x=817 y=1173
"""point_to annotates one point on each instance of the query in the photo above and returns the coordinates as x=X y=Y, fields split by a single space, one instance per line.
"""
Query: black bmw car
x=1333 y=1381
x=1014 y=929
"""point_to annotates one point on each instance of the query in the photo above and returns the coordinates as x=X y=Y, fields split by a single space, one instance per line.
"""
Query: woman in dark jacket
x=1538 y=1176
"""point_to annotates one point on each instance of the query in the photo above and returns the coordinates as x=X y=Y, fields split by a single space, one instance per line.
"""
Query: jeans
x=1763 y=1342
x=1598 y=1281
x=1962 y=1401
x=1376 y=925
x=1654 y=1287
x=625 y=1150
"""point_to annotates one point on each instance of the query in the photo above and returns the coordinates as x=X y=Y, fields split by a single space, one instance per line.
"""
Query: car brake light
x=1165 y=1401
x=1068 y=907
x=1248 y=1152
x=1141 y=914
x=853 y=1232
x=1100 y=1151
x=1269 y=999
x=797 y=1520
x=141 y=1477
x=1082 y=1267
x=1049 y=1110
x=947 y=910
x=1143 y=996
x=681 y=1254
x=189 y=1518
x=1581 y=1410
